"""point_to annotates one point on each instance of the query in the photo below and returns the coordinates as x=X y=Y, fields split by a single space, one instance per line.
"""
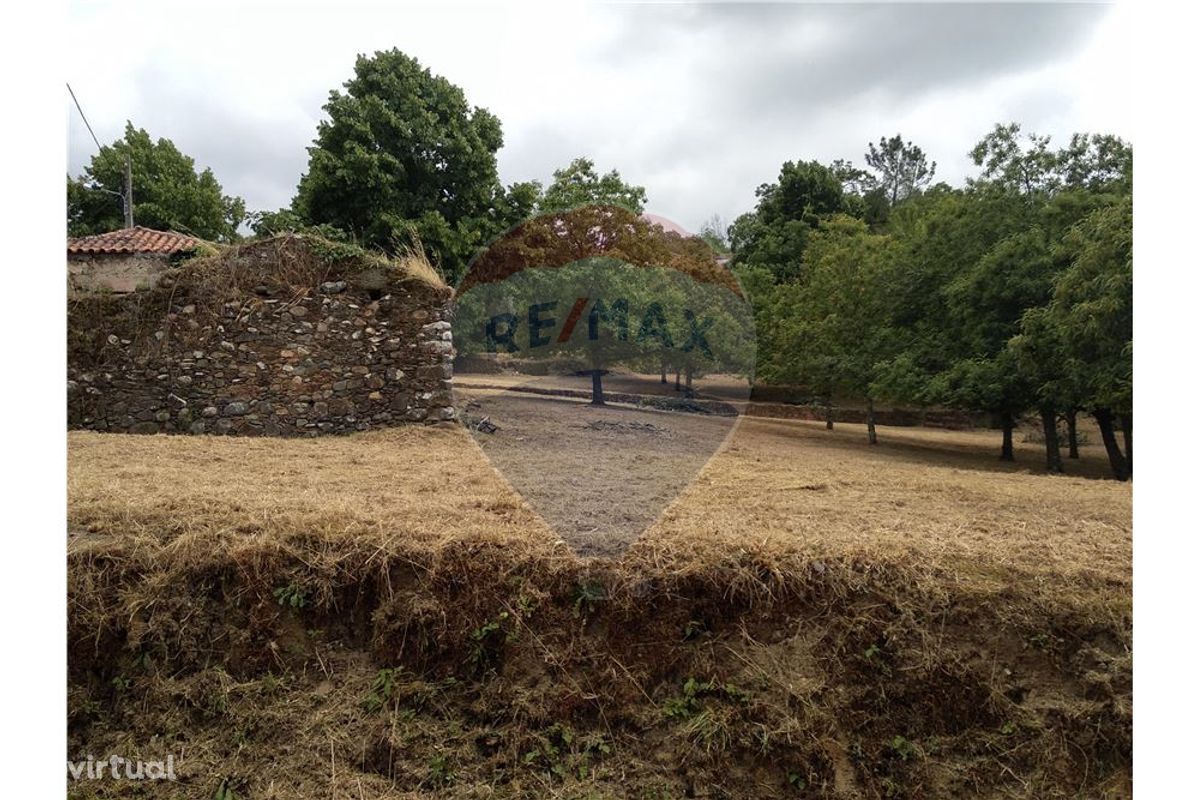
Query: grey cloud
x=257 y=158
x=751 y=64
x=761 y=73
x=699 y=103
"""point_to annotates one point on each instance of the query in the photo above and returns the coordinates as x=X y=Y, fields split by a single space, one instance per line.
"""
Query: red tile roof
x=133 y=240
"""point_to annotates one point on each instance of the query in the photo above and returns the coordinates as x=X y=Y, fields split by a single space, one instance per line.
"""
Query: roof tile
x=133 y=240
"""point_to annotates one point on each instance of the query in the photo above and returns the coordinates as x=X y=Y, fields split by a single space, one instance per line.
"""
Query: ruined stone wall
x=353 y=347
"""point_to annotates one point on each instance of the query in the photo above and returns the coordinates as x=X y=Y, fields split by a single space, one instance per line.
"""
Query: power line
x=85 y=122
x=127 y=196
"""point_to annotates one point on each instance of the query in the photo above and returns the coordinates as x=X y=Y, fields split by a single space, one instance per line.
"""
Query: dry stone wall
x=354 y=348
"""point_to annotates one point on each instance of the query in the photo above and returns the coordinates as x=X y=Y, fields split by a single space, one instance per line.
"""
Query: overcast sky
x=699 y=104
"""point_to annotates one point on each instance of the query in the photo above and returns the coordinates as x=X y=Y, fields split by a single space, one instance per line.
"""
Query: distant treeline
x=1011 y=295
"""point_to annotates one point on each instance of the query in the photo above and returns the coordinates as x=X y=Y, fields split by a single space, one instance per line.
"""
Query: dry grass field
x=382 y=616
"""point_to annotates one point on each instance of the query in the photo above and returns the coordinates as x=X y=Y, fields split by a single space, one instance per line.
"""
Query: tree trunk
x=1126 y=424
x=597 y=387
x=690 y=391
x=871 y=434
x=1053 y=452
x=1008 y=422
x=1072 y=432
x=828 y=414
x=1103 y=416
x=678 y=386
x=663 y=372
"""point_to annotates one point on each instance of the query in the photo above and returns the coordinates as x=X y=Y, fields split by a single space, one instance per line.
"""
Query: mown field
x=379 y=615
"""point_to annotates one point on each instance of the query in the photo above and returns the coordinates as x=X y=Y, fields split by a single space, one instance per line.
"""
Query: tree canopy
x=404 y=157
x=579 y=184
x=1011 y=295
x=901 y=168
x=774 y=235
x=169 y=193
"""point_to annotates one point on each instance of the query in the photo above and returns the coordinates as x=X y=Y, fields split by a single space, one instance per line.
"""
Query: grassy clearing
x=812 y=618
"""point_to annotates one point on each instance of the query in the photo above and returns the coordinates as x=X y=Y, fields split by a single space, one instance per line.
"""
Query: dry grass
x=787 y=485
x=826 y=596
x=423 y=486
x=414 y=262
x=939 y=496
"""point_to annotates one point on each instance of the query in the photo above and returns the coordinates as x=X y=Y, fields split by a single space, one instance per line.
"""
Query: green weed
x=291 y=595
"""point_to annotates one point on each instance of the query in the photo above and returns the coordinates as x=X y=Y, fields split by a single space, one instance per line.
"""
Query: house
x=124 y=260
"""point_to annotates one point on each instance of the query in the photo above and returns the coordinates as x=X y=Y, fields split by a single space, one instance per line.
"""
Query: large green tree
x=976 y=263
x=940 y=299
x=836 y=324
x=403 y=156
x=1089 y=321
x=985 y=304
x=169 y=193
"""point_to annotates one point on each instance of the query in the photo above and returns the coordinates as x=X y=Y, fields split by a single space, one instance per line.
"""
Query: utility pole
x=128 y=192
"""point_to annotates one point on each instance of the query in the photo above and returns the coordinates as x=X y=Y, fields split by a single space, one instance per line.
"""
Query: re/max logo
x=652 y=329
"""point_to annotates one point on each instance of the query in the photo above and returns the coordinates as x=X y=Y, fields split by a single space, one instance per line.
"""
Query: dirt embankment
x=345 y=628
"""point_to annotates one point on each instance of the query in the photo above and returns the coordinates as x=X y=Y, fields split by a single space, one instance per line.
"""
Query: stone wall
x=268 y=338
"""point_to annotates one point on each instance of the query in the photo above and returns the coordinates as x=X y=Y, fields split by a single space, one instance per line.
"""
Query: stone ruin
x=289 y=336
